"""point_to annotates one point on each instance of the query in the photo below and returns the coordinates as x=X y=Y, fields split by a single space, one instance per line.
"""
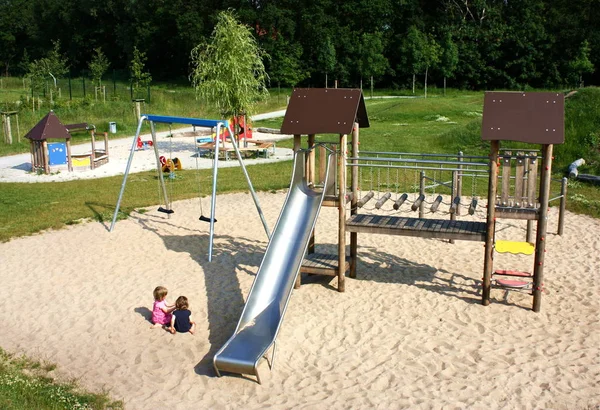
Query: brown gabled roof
x=536 y=117
x=49 y=127
x=324 y=111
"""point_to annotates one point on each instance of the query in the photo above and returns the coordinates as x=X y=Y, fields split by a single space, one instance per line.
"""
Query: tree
x=98 y=66
x=582 y=64
x=228 y=72
x=53 y=65
x=412 y=46
x=140 y=78
x=448 y=57
x=326 y=57
x=286 y=67
x=431 y=56
x=371 y=61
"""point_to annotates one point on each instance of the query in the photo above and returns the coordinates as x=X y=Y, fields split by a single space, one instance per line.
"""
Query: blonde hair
x=182 y=303
x=160 y=292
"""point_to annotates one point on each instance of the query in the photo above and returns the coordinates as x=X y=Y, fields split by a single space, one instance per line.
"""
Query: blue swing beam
x=198 y=122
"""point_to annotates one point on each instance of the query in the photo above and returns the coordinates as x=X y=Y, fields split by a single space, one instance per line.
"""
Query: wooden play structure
x=243 y=135
x=94 y=158
x=48 y=156
x=535 y=118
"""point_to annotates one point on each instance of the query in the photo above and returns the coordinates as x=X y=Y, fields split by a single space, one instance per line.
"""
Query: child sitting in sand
x=181 y=320
x=161 y=311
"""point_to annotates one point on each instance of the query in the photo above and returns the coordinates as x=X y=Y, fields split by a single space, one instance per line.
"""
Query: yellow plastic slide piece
x=514 y=247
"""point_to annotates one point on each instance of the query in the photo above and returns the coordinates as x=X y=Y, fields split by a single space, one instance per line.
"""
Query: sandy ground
x=409 y=332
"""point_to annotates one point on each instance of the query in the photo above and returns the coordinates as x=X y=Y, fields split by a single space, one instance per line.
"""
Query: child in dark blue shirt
x=181 y=321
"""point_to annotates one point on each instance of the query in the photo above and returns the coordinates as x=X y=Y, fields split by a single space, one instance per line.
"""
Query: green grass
x=26 y=384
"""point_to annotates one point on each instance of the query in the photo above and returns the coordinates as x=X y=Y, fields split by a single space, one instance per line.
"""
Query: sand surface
x=409 y=332
x=179 y=144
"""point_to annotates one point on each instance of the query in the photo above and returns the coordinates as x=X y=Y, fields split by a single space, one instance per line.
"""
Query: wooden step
x=504 y=272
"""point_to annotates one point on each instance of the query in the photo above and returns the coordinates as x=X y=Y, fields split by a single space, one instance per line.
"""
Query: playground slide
x=268 y=298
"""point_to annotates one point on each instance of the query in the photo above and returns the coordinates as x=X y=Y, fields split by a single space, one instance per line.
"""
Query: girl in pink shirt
x=161 y=311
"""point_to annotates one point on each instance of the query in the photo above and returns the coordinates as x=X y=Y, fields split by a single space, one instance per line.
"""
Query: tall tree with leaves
x=371 y=61
x=581 y=64
x=326 y=57
x=54 y=65
x=140 y=78
x=228 y=72
x=448 y=56
x=98 y=66
x=431 y=57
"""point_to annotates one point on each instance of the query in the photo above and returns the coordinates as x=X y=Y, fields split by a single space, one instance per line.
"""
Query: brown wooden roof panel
x=324 y=111
x=536 y=117
x=49 y=127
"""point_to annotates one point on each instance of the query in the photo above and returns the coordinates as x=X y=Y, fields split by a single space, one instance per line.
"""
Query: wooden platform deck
x=322 y=264
x=423 y=228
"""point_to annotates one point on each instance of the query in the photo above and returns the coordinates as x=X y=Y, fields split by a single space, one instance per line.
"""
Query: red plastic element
x=512 y=283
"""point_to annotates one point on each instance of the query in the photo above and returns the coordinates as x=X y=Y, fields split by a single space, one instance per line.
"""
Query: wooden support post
x=342 y=214
x=459 y=181
x=106 y=145
x=488 y=263
x=529 y=233
x=69 y=159
x=296 y=147
x=322 y=166
x=455 y=207
x=563 y=206
x=421 y=194
x=45 y=158
x=353 y=202
x=4 y=128
x=310 y=170
x=310 y=180
x=93 y=154
x=32 y=152
x=540 y=242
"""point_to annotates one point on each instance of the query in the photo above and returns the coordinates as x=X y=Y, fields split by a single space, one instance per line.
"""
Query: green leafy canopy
x=228 y=71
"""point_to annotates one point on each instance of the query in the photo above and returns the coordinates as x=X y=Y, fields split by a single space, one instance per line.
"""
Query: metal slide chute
x=267 y=301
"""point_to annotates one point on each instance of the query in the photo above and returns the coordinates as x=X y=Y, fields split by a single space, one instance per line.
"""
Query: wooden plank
x=517 y=213
x=425 y=228
x=504 y=195
x=519 y=182
x=532 y=182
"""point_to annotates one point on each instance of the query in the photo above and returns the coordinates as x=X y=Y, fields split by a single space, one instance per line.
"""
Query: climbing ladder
x=513 y=279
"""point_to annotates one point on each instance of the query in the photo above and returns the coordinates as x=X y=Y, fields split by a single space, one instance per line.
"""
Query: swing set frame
x=197 y=122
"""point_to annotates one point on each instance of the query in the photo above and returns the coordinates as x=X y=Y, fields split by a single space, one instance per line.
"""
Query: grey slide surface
x=268 y=298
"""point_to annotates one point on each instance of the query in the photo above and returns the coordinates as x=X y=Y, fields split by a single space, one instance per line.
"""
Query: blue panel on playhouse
x=57 y=153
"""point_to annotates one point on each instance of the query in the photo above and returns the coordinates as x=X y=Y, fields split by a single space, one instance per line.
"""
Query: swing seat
x=205 y=218
x=165 y=210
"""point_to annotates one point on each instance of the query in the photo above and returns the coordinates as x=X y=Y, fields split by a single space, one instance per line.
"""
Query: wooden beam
x=488 y=262
x=542 y=225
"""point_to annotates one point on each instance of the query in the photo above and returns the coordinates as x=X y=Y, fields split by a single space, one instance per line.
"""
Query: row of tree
x=475 y=43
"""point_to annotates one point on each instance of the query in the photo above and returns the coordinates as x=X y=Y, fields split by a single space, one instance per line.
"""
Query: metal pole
x=159 y=167
x=254 y=197
x=133 y=146
x=213 y=199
